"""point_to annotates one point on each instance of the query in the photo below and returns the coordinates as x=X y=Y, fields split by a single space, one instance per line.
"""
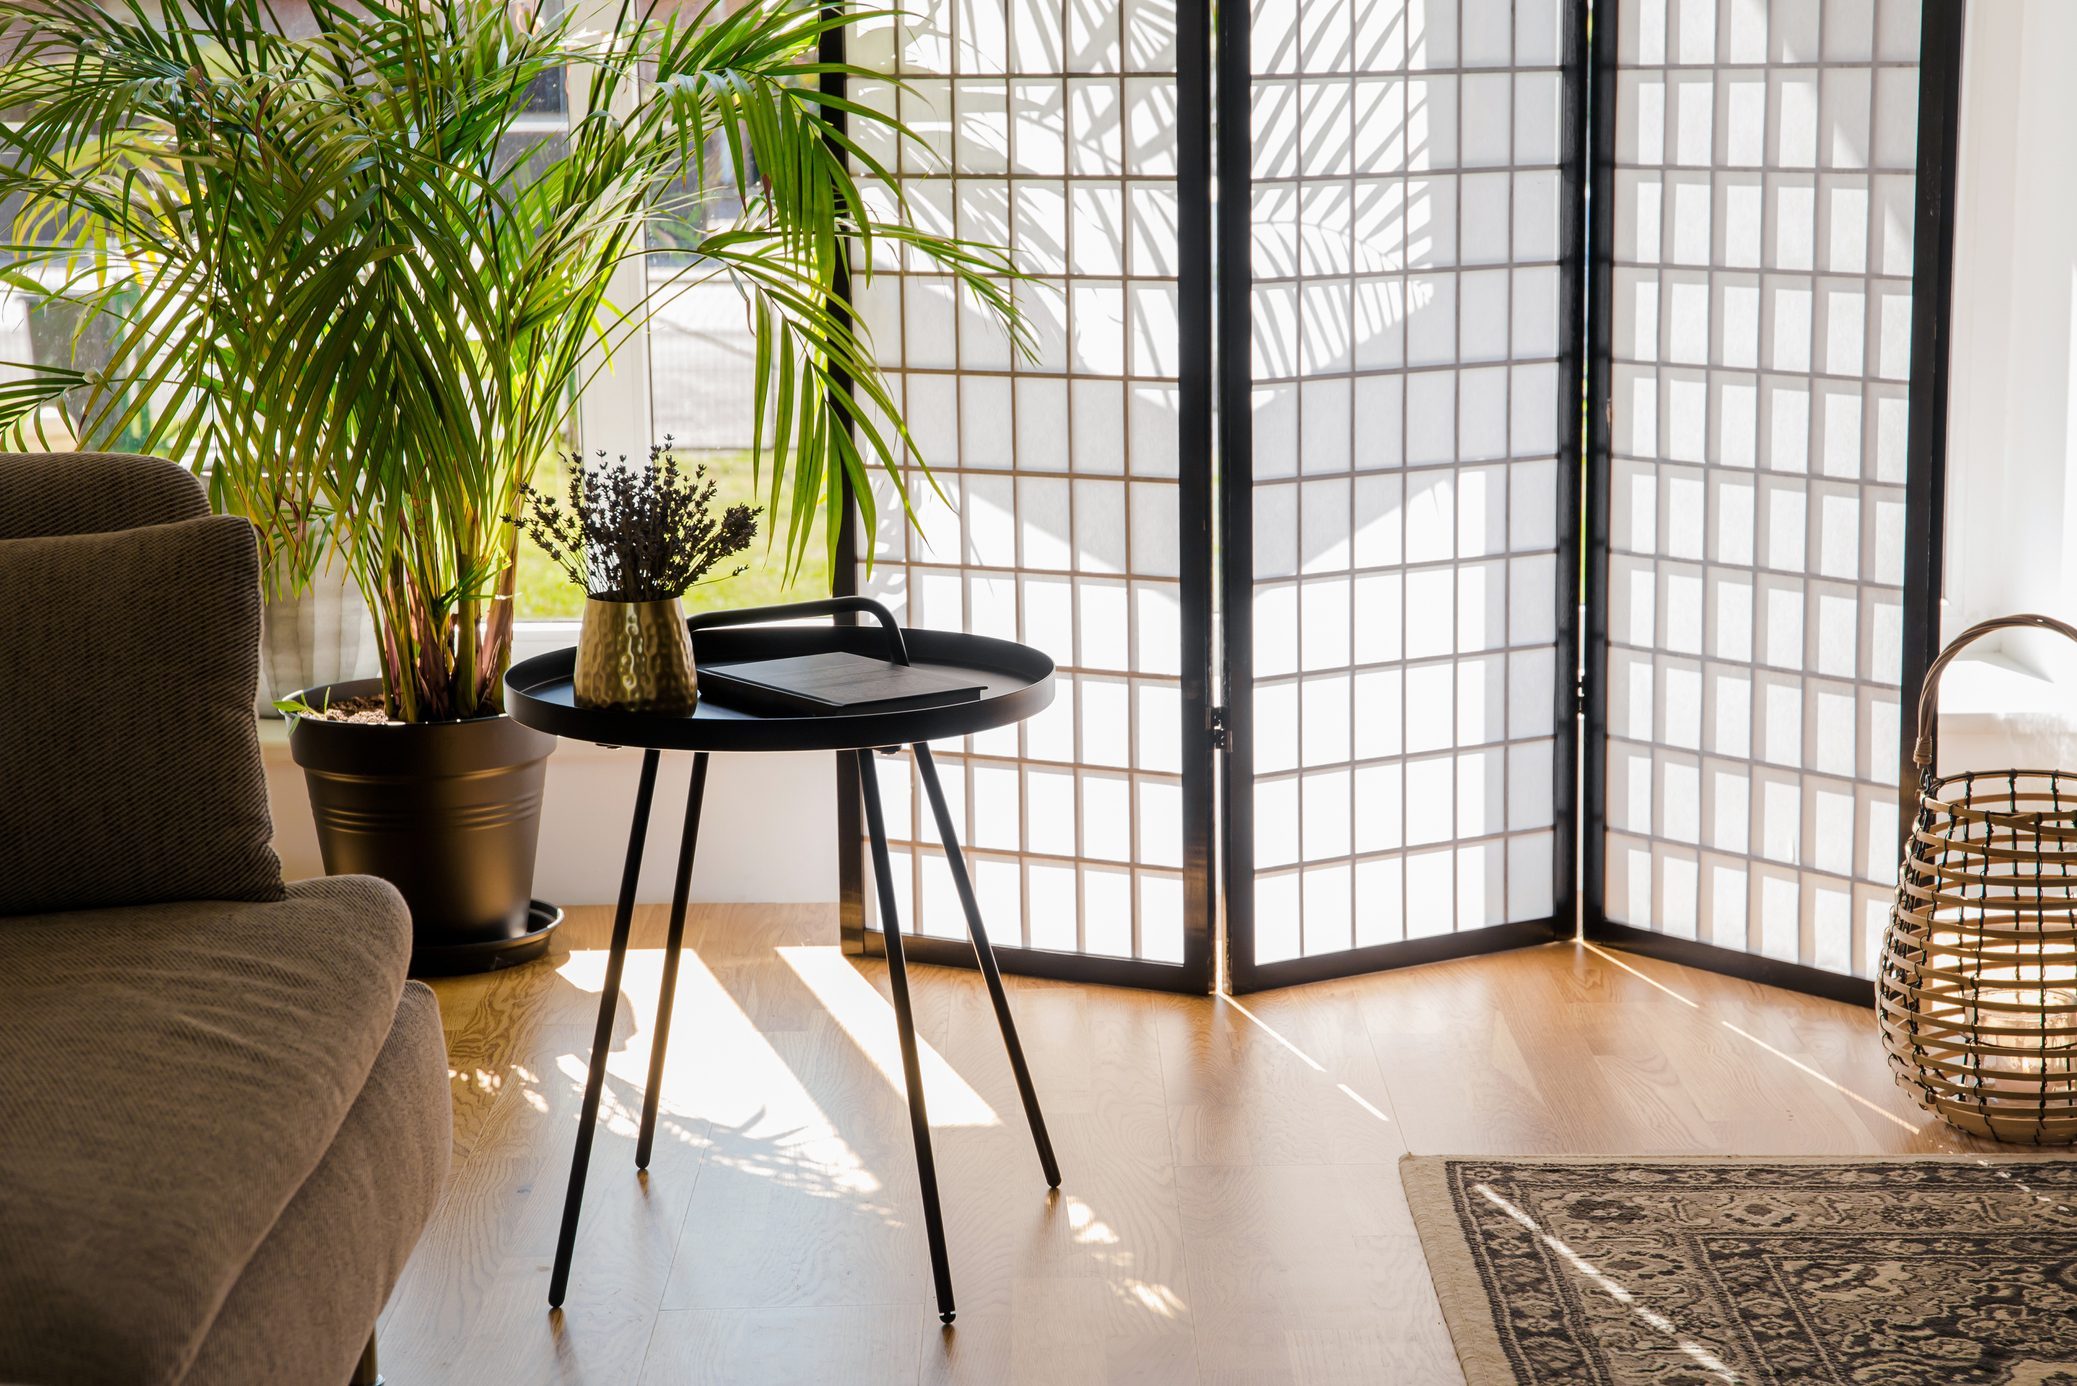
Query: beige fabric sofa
x=223 y=1123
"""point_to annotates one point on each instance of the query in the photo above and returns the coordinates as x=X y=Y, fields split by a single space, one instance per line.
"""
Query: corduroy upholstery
x=44 y=494
x=128 y=748
x=223 y=1122
x=179 y=1071
x=327 y=1267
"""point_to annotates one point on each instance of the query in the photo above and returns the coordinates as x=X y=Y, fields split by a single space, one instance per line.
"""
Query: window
x=689 y=379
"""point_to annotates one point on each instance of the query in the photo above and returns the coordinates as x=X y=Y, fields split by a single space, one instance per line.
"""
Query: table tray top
x=1016 y=683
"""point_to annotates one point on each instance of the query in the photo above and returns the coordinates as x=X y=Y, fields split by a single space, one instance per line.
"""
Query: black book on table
x=807 y=685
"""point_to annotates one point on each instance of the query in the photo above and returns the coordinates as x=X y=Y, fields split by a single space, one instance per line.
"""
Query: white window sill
x=274 y=747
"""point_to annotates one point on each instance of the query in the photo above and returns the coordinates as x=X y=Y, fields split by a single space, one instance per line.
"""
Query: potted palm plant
x=401 y=293
x=190 y=250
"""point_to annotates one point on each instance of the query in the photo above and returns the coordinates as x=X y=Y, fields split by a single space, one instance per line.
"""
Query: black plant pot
x=447 y=812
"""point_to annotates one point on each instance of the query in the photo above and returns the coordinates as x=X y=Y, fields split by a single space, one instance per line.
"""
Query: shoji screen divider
x=1773 y=226
x=1072 y=498
x=1400 y=327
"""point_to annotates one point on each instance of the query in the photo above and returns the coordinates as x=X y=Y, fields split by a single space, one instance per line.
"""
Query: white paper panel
x=1406 y=218
x=1761 y=339
x=1052 y=128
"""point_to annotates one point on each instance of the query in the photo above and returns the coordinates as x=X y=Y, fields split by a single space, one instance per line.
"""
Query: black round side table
x=1016 y=683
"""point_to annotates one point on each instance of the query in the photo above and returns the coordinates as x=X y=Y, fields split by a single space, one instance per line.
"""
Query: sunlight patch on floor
x=1614 y=961
x=1086 y=1227
x=2024 y=1187
x=720 y=1070
x=868 y=1018
x=1109 y=1250
x=729 y=1093
x=1158 y=1300
x=1876 y=1107
x=1308 y=1060
x=1361 y=1101
x=1701 y=1356
x=1885 y=1113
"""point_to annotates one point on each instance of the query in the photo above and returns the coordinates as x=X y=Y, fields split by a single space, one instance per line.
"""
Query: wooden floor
x=1230 y=1212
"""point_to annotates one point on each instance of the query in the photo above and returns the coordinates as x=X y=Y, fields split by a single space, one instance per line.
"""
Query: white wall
x=2012 y=431
x=768 y=831
x=2012 y=440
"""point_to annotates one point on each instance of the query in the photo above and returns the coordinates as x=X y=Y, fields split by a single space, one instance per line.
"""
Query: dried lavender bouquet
x=636 y=534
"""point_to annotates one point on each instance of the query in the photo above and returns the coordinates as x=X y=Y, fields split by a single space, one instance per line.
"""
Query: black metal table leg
x=602 y=1037
x=905 y=1021
x=672 y=944
x=984 y=954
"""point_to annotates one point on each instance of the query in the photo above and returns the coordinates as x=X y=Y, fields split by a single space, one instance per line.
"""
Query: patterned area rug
x=1946 y=1272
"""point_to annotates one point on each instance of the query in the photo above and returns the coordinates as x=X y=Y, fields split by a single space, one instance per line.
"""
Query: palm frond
x=325 y=278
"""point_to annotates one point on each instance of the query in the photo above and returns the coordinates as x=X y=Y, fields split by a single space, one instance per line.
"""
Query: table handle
x=898 y=648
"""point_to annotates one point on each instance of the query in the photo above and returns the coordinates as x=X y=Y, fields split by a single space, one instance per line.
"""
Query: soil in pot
x=365 y=711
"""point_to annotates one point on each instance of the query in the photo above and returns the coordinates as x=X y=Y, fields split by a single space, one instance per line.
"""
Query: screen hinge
x=1215 y=724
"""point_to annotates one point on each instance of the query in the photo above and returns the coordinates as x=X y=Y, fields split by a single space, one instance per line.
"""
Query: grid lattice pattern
x=1051 y=127
x=1407 y=236
x=1762 y=339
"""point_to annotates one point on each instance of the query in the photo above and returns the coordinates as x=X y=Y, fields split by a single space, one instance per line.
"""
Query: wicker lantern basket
x=1977 y=987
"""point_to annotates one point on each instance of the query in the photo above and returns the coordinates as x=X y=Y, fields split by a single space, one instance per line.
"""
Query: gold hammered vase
x=635 y=657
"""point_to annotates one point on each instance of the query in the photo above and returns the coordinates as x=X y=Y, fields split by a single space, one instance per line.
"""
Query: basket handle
x=1929 y=694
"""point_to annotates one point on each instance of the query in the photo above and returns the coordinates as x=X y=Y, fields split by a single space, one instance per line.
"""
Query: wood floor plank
x=783 y=1347
x=487 y=1019
x=1285 y=1237
x=473 y=1302
x=1243 y=1091
x=1063 y=1332
x=1230 y=1212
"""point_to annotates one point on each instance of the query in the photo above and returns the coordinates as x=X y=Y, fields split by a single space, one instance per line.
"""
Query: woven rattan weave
x=1976 y=988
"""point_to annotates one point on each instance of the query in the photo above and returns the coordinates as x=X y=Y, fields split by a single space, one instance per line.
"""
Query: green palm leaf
x=326 y=280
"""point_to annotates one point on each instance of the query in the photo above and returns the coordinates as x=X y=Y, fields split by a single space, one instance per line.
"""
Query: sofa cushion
x=303 y=1307
x=173 y=1076
x=91 y=492
x=127 y=743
